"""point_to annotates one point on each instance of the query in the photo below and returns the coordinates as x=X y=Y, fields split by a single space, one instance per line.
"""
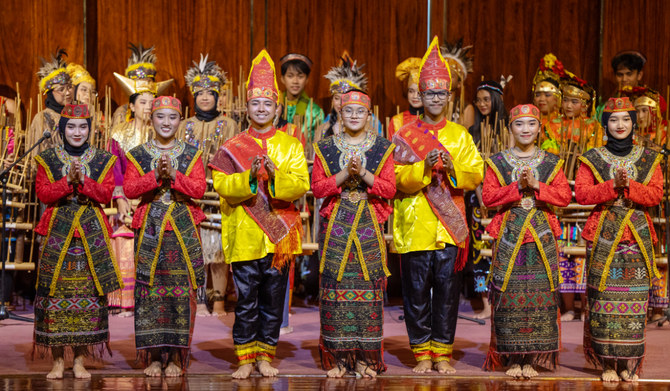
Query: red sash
x=277 y=218
x=413 y=142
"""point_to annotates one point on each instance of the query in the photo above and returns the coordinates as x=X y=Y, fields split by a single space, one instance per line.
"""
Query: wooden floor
x=386 y=383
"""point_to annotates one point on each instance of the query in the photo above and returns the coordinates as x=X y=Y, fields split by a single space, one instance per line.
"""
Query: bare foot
x=266 y=369
x=528 y=371
x=219 y=308
x=338 y=371
x=568 y=316
x=610 y=375
x=243 y=372
x=155 y=369
x=57 y=369
x=444 y=367
x=201 y=310
x=125 y=314
x=173 y=370
x=78 y=368
x=625 y=376
x=514 y=371
x=485 y=313
x=423 y=366
x=365 y=371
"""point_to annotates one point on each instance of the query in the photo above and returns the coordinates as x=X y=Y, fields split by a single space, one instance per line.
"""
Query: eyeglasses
x=348 y=112
x=482 y=100
x=441 y=95
x=63 y=88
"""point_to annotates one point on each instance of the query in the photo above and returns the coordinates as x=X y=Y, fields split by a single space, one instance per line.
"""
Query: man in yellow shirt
x=258 y=174
x=436 y=161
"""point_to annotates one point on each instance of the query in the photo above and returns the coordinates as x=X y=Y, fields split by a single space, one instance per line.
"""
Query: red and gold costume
x=620 y=246
x=525 y=321
x=76 y=268
x=168 y=256
x=353 y=249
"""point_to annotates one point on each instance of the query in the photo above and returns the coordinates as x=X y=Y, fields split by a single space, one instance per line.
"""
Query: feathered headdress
x=205 y=75
x=53 y=72
x=141 y=67
x=459 y=57
x=142 y=62
x=346 y=76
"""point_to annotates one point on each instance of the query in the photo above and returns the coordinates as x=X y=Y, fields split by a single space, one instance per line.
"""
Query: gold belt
x=354 y=196
x=529 y=203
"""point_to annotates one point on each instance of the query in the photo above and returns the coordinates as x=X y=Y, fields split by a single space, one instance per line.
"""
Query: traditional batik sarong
x=165 y=311
x=480 y=265
x=76 y=265
x=619 y=274
x=351 y=297
x=524 y=279
x=75 y=314
x=617 y=315
x=353 y=264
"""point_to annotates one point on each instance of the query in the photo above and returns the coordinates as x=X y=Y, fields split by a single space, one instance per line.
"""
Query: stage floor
x=297 y=383
x=213 y=360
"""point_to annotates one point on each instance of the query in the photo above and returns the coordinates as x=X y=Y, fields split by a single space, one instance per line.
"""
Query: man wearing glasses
x=435 y=162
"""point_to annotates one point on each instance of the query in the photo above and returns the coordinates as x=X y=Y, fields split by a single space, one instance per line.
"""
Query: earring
x=605 y=138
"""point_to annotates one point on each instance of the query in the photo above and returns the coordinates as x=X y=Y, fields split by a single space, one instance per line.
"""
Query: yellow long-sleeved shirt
x=241 y=237
x=415 y=225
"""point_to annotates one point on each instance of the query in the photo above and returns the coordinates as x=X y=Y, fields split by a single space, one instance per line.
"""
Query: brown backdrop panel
x=377 y=33
x=638 y=25
x=179 y=30
x=510 y=37
x=33 y=29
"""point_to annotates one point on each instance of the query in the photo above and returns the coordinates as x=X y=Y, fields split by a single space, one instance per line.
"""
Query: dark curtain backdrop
x=509 y=37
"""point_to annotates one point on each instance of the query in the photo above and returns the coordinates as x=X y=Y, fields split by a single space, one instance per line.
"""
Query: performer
x=207 y=130
x=546 y=89
x=84 y=84
x=436 y=161
x=76 y=267
x=623 y=180
x=343 y=78
x=167 y=174
x=408 y=73
x=125 y=136
x=355 y=175
x=259 y=174
x=55 y=82
x=576 y=122
x=141 y=68
x=523 y=181
x=295 y=70
x=489 y=112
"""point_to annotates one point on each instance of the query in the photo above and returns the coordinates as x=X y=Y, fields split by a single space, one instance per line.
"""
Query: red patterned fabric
x=556 y=193
x=383 y=187
x=589 y=192
x=193 y=186
x=50 y=193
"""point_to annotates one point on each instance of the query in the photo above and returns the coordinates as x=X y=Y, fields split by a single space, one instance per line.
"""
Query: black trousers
x=430 y=318
x=260 y=301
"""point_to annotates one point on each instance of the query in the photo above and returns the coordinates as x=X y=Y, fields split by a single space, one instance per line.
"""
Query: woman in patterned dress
x=76 y=267
x=355 y=175
x=524 y=181
x=623 y=180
